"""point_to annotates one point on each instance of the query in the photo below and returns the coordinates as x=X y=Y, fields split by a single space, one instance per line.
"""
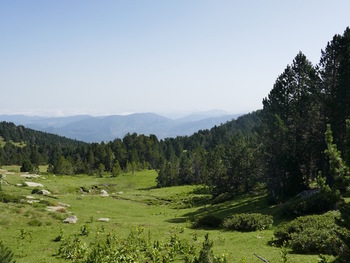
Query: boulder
x=71 y=220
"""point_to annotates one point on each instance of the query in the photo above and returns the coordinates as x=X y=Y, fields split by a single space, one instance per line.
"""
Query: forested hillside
x=133 y=152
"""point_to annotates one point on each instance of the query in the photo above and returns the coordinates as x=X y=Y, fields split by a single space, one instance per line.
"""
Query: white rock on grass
x=103 y=219
x=32 y=201
x=104 y=193
x=63 y=204
x=31 y=184
x=43 y=192
x=71 y=220
x=30 y=176
x=56 y=209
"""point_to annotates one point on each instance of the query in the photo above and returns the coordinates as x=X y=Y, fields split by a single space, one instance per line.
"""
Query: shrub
x=72 y=249
x=312 y=234
x=206 y=254
x=248 y=222
x=84 y=230
x=27 y=166
x=315 y=204
x=208 y=221
x=59 y=237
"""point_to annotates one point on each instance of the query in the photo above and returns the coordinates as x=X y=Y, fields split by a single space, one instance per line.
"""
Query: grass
x=28 y=229
x=17 y=144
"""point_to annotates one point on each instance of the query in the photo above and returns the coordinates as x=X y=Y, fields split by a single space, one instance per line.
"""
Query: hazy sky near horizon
x=110 y=57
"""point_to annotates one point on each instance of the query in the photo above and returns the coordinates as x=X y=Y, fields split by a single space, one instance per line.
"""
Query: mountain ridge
x=106 y=128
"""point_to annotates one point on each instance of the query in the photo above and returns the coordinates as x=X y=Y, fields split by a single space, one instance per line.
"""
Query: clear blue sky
x=109 y=57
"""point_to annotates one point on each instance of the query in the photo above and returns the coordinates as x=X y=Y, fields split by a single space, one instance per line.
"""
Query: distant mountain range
x=96 y=129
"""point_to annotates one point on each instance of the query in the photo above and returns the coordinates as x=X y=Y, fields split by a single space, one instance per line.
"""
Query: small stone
x=43 y=192
x=31 y=184
x=71 y=220
x=104 y=193
x=58 y=208
x=63 y=204
x=103 y=219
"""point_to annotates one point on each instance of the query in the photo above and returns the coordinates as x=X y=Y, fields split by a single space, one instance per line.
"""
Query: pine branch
x=262 y=259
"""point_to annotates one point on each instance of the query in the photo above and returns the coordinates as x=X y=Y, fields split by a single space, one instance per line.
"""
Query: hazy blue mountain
x=106 y=128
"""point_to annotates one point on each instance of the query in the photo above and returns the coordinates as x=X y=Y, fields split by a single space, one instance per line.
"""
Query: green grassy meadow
x=29 y=229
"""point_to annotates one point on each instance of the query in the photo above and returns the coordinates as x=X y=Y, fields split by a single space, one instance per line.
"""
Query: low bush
x=316 y=234
x=317 y=203
x=137 y=247
x=208 y=221
x=248 y=222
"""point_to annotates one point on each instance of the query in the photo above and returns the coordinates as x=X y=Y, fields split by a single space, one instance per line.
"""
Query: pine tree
x=335 y=83
x=292 y=126
x=340 y=171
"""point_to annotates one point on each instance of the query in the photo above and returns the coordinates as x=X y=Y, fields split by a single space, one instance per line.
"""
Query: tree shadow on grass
x=243 y=204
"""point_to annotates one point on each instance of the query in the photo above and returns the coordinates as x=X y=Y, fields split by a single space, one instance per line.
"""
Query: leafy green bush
x=312 y=234
x=6 y=255
x=72 y=249
x=315 y=204
x=208 y=221
x=206 y=254
x=84 y=230
x=248 y=222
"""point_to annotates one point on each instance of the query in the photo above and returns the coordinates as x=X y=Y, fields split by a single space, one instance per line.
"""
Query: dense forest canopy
x=281 y=146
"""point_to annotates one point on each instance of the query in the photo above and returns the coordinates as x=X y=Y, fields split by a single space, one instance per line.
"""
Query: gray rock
x=43 y=192
x=71 y=220
x=63 y=204
x=58 y=208
x=31 y=184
